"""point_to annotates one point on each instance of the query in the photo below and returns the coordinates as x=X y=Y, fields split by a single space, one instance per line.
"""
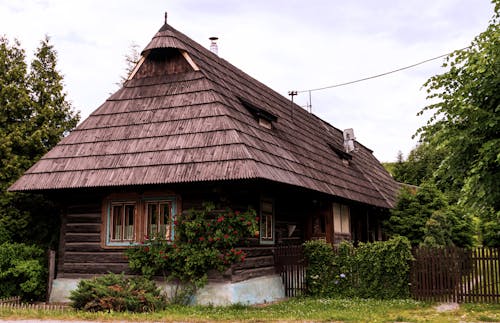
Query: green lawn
x=306 y=309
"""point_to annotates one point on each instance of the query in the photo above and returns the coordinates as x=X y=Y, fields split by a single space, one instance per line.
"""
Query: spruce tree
x=34 y=116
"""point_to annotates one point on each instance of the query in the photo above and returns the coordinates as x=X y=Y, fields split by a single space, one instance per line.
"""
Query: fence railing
x=289 y=260
x=456 y=274
x=15 y=302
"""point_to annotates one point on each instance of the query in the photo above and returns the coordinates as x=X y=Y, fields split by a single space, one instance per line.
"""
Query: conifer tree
x=34 y=116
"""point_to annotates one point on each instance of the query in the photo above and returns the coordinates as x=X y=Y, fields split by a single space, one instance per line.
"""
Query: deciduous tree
x=466 y=124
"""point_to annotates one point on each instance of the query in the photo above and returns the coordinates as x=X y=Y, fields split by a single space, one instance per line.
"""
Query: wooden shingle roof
x=188 y=115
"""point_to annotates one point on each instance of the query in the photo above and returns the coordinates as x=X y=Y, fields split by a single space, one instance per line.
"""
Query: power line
x=378 y=75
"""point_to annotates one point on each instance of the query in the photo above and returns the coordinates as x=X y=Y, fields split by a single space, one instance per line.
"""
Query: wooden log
x=95 y=257
x=241 y=275
x=84 y=246
x=82 y=237
x=83 y=228
x=84 y=218
x=255 y=262
x=95 y=268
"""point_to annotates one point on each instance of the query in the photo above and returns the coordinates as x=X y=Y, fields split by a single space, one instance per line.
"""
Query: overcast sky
x=287 y=45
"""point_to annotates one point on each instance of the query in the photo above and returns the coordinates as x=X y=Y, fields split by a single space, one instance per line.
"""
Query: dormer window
x=263 y=117
x=345 y=156
x=265 y=123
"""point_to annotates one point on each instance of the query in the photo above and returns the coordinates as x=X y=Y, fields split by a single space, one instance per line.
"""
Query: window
x=159 y=219
x=134 y=219
x=122 y=220
x=341 y=219
x=266 y=221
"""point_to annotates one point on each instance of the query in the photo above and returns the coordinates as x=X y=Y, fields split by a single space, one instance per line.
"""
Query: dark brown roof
x=188 y=115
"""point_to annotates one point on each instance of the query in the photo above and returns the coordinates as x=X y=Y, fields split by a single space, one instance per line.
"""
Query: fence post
x=52 y=272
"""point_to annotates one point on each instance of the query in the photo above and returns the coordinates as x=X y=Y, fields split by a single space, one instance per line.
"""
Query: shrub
x=383 y=269
x=22 y=271
x=372 y=270
x=319 y=258
x=205 y=240
x=113 y=292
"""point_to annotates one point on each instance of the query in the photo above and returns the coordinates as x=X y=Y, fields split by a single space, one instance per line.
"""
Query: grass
x=293 y=310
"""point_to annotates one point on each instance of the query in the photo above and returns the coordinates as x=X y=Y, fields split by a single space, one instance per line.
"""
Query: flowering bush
x=205 y=240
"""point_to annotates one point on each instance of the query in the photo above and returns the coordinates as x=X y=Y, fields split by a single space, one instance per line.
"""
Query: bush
x=373 y=270
x=319 y=257
x=22 y=271
x=113 y=292
x=383 y=269
x=205 y=240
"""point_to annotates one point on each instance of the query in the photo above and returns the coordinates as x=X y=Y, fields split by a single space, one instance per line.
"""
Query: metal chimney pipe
x=213 y=45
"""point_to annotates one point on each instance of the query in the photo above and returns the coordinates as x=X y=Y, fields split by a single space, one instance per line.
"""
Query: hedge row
x=371 y=270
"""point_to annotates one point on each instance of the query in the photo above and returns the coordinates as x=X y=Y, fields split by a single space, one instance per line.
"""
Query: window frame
x=172 y=202
x=140 y=202
x=268 y=215
x=110 y=223
x=344 y=218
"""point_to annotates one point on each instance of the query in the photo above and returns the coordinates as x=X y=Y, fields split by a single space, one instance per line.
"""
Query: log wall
x=80 y=252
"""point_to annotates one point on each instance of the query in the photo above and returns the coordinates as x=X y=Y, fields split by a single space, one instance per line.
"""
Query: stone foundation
x=258 y=290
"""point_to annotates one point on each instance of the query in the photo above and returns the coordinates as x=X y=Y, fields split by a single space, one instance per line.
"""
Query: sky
x=289 y=45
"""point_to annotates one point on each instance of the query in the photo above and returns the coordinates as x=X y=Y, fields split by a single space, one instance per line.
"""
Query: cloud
x=288 y=45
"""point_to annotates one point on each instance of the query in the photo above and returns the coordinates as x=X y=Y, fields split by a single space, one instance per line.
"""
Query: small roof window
x=345 y=156
x=264 y=117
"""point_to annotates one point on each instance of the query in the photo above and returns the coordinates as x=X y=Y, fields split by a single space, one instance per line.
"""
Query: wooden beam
x=190 y=60
x=137 y=66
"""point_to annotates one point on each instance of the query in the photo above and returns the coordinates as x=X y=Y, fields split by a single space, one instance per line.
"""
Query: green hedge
x=22 y=271
x=372 y=270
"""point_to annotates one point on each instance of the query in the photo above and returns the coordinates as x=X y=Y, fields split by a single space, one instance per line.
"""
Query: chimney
x=349 y=140
x=213 y=45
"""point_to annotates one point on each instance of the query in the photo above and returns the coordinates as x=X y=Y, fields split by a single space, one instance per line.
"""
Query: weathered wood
x=84 y=218
x=241 y=275
x=82 y=237
x=97 y=257
x=83 y=228
x=52 y=272
x=297 y=151
x=84 y=246
x=95 y=268
x=456 y=275
x=255 y=262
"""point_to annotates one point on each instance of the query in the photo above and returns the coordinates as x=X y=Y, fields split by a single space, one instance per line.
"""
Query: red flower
x=210 y=239
x=220 y=219
x=176 y=222
x=202 y=239
x=235 y=232
x=226 y=236
x=146 y=249
x=249 y=223
x=237 y=212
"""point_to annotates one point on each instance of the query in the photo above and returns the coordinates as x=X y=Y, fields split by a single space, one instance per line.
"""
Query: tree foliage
x=420 y=165
x=34 y=116
x=424 y=216
x=466 y=125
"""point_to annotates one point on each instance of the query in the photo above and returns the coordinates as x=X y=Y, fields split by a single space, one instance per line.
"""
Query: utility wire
x=378 y=75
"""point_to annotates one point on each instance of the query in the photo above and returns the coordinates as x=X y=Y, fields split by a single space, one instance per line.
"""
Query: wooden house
x=189 y=127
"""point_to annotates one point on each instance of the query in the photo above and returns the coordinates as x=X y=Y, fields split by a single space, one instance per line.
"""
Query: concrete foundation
x=253 y=291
